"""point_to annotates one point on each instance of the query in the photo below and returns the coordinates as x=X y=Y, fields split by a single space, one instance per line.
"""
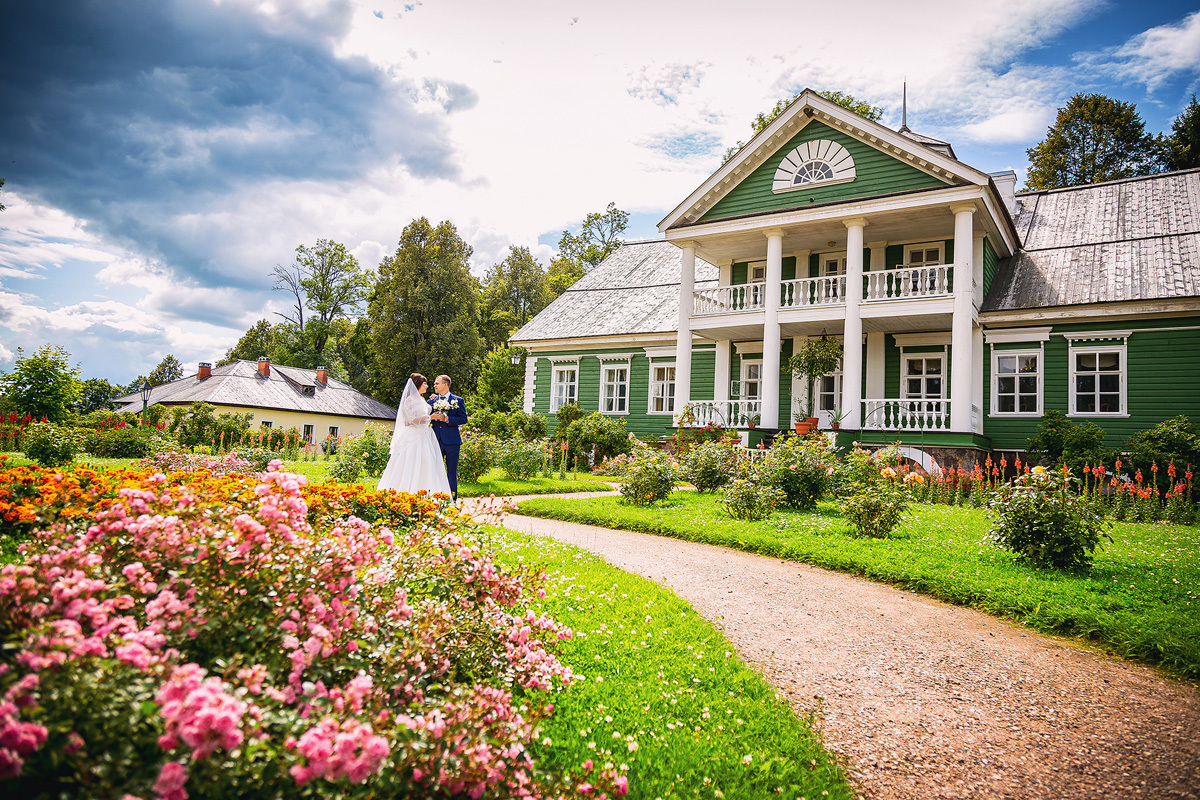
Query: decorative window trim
x=1018 y=336
x=940 y=246
x=652 y=384
x=905 y=357
x=660 y=352
x=1122 y=349
x=834 y=156
x=614 y=356
x=1097 y=336
x=1040 y=352
x=557 y=363
x=613 y=362
x=840 y=255
x=939 y=339
x=748 y=348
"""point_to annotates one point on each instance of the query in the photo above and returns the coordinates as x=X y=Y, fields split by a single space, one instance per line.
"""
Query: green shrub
x=650 y=477
x=514 y=424
x=1045 y=521
x=861 y=467
x=1060 y=441
x=597 y=437
x=876 y=509
x=566 y=414
x=521 y=460
x=801 y=466
x=348 y=468
x=50 y=445
x=476 y=456
x=746 y=498
x=1172 y=441
x=125 y=441
x=710 y=465
x=373 y=444
x=199 y=424
x=259 y=457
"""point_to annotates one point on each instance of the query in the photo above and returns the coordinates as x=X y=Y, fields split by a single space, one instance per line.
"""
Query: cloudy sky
x=161 y=156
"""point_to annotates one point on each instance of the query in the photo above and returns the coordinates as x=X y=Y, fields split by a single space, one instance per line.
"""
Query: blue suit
x=449 y=439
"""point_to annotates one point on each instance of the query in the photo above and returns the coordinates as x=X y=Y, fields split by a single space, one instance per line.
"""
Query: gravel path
x=922 y=699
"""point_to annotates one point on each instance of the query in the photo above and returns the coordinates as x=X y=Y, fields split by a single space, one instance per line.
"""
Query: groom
x=448 y=414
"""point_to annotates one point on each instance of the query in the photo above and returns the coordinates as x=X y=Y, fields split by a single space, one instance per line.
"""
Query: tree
x=513 y=292
x=597 y=239
x=500 y=381
x=169 y=369
x=423 y=311
x=96 y=394
x=1183 y=145
x=1094 y=138
x=848 y=101
x=326 y=280
x=562 y=276
x=254 y=343
x=43 y=384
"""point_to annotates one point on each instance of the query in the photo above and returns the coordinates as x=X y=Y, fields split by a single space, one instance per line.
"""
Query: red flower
x=1154 y=467
x=1171 y=469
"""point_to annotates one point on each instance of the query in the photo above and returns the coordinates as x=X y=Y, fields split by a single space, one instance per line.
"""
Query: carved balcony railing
x=908 y=283
x=730 y=299
x=808 y=292
x=726 y=413
x=906 y=415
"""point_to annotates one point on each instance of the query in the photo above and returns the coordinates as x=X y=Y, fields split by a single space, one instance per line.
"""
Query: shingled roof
x=635 y=290
x=287 y=389
x=1135 y=239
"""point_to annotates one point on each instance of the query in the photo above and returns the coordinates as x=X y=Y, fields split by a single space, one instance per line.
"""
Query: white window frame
x=557 y=398
x=742 y=379
x=664 y=388
x=608 y=363
x=757 y=286
x=1040 y=354
x=265 y=424
x=335 y=431
x=1074 y=350
x=906 y=357
x=939 y=246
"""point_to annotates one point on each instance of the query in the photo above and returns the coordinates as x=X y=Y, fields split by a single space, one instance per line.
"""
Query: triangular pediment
x=815 y=152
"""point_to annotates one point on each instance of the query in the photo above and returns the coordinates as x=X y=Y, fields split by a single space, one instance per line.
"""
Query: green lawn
x=664 y=692
x=1141 y=599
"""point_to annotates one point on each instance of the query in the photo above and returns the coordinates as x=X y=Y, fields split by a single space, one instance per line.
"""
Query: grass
x=1141 y=599
x=664 y=693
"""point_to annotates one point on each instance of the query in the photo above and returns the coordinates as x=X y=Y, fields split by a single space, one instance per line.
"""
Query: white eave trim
x=614 y=356
x=1018 y=335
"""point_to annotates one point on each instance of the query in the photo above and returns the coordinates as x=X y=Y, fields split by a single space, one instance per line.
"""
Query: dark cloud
x=133 y=114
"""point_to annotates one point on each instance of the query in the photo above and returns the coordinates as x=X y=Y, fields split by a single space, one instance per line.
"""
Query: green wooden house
x=966 y=311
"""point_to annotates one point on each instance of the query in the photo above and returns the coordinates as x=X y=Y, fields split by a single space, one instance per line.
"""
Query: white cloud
x=1153 y=56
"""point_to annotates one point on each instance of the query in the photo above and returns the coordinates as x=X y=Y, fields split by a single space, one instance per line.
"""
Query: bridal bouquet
x=444 y=406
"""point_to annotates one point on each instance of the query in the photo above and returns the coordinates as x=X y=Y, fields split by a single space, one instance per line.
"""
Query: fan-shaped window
x=811 y=163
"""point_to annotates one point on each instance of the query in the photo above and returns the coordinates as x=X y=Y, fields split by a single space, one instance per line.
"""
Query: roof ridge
x=1081 y=186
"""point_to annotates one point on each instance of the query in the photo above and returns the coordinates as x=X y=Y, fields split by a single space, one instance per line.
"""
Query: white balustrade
x=906 y=415
x=806 y=292
x=726 y=413
x=909 y=282
x=730 y=299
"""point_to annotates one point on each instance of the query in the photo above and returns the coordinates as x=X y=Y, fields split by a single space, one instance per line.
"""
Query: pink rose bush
x=198 y=643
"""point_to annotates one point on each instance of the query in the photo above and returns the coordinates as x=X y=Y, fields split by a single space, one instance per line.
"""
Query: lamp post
x=146 y=390
x=514 y=356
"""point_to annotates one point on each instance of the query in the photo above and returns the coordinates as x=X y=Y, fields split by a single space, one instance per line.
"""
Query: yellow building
x=278 y=397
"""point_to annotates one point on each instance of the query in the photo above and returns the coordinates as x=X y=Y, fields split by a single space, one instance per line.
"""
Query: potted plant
x=816 y=358
x=835 y=418
x=752 y=420
x=804 y=421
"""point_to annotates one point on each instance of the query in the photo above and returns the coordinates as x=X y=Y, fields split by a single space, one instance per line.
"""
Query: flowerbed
x=218 y=636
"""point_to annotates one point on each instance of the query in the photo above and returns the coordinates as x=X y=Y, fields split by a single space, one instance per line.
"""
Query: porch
x=899 y=415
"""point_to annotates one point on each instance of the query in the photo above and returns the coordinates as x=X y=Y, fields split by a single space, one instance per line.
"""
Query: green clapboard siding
x=876 y=173
x=990 y=262
x=1163 y=373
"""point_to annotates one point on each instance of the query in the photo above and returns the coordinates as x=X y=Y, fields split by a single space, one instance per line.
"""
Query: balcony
x=903 y=283
x=726 y=413
x=906 y=415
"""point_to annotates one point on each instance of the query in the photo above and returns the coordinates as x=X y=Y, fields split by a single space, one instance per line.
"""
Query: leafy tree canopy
x=43 y=384
x=1094 y=139
x=169 y=369
x=96 y=394
x=325 y=280
x=424 y=310
x=500 y=381
x=598 y=238
x=860 y=107
x=254 y=343
x=1183 y=145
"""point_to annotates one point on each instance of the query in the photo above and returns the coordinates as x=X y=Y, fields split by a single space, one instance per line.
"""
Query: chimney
x=323 y=376
x=264 y=366
x=205 y=371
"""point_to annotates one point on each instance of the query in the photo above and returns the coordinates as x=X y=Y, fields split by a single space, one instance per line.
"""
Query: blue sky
x=161 y=156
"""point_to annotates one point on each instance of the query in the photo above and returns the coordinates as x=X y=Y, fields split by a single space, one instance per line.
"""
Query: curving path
x=922 y=699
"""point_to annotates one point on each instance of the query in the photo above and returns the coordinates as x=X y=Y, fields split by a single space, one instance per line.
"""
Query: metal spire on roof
x=904 y=109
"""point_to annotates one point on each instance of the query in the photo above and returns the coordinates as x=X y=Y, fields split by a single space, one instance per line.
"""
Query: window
x=757 y=272
x=564 y=385
x=833 y=265
x=1017 y=382
x=751 y=384
x=1097 y=380
x=812 y=163
x=922 y=380
x=923 y=255
x=662 y=389
x=308 y=433
x=333 y=431
x=265 y=424
x=812 y=172
x=829 y=391
x=614 y=395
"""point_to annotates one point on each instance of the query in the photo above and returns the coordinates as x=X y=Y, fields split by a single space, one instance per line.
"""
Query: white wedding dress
x=415 y=462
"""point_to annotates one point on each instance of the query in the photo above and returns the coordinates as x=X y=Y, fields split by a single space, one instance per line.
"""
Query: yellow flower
x=888 y=472
x=1039 y=470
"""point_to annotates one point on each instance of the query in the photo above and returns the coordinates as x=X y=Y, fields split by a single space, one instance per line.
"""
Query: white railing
x=907 y=282
x=804 y=292
x=906 y=415
x=726 y=413
x=728 y=299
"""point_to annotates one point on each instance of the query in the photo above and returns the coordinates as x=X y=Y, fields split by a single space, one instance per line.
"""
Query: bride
x=415 y=463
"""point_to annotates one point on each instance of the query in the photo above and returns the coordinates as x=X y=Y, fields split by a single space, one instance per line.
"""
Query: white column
x=961 y=370
x=770 y=365
x=725 y=273
x=530 y=381
x=799 y=382
x=721 y=372
x=878 y=256
x=977 y=355
x=852 y=341
x=683 y=342
x=875 y=364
